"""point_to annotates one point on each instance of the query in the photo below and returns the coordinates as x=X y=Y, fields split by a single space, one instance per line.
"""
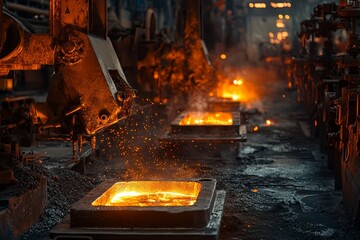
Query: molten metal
x=237 y=90
x=150 y=193
x=207 y=118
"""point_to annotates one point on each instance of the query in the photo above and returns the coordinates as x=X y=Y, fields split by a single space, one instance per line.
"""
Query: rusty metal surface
x=18 y=213
x=88 y=91
x=103 y=94
x=22 y=50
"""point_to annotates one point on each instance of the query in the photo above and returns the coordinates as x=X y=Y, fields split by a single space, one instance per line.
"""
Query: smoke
x=257 y=83
x=198 y=102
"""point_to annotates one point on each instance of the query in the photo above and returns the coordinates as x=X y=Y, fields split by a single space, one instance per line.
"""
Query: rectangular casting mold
x=84 y=214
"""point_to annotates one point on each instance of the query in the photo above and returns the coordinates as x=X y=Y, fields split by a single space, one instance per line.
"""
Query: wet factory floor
x=278 y=187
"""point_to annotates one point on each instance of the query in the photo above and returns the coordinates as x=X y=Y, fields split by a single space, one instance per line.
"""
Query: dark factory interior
x=179 y=119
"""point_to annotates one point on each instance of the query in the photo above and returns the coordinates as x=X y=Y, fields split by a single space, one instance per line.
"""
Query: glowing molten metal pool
x=146 y=209
x=150 y=193
x=207 y=118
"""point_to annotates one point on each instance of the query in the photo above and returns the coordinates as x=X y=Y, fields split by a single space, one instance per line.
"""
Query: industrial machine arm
x=88 y=90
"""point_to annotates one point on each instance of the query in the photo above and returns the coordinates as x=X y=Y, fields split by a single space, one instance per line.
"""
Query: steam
x=198 y=103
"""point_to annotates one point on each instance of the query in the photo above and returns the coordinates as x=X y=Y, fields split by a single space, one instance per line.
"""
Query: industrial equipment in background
x=328 y=85
x=168 y=62
x=159 y=35
x=269 y=24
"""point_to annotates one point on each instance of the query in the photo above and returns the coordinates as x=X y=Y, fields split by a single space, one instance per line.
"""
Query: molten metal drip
x=207 y=118
x=150 y=193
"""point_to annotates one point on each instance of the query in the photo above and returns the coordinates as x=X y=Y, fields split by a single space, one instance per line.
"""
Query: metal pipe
x=22 y=8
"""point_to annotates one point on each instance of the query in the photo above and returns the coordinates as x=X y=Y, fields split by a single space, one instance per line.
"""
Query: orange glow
x=280 y=16
x=268 y=123
x=255 y=190
x=290 y=85
x=238 y=82
x=150 y=193
x=280 y=5
x=223 y=56
x=256 y=129
x=237 y=90
x=6 y=84
x=156 y=75
x=287 y=17
x=284 y=35
x=260 y=5
x=271 y=35
x=207 y=118
x=257 y=5
x=280 y=23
